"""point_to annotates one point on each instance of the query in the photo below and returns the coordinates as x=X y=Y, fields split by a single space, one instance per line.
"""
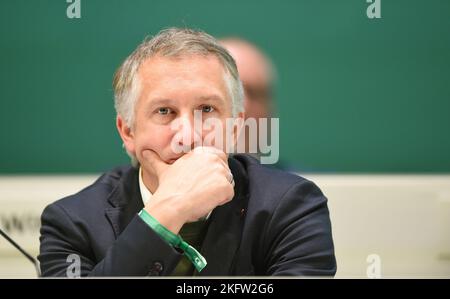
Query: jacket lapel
x=125 y=200
x=223 y=237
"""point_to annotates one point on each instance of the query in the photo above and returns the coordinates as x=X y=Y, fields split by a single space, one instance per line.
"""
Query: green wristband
x=191 y=253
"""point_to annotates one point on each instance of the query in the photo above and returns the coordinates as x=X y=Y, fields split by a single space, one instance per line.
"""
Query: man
x=257 y=74
x=185 y=207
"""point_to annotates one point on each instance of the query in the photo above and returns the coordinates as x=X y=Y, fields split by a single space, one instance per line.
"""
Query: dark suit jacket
x=276 y=224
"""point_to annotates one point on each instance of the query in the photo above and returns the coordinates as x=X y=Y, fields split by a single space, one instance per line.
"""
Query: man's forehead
x=162 y=77
x=182 y=62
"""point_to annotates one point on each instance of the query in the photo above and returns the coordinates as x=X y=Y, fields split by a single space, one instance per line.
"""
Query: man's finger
x=212 y=150
x=154 y=161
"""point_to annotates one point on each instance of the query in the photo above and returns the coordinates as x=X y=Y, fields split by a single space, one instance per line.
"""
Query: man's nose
x=190 y=132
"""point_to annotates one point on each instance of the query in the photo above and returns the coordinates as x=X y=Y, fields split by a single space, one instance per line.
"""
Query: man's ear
x=126 y=134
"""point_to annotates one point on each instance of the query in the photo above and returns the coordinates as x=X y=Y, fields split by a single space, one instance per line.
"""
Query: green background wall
x=354 y=94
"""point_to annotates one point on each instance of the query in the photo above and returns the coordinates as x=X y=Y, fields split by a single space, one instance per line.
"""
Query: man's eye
x=207 y=109
x=164 y=111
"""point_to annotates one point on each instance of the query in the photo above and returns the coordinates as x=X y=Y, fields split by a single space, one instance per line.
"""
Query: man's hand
x=190 y=188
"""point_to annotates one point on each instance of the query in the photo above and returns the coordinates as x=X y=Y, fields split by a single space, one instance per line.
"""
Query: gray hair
x=172 y=42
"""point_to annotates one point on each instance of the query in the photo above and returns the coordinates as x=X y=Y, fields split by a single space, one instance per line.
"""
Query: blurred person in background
x=258 y=75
